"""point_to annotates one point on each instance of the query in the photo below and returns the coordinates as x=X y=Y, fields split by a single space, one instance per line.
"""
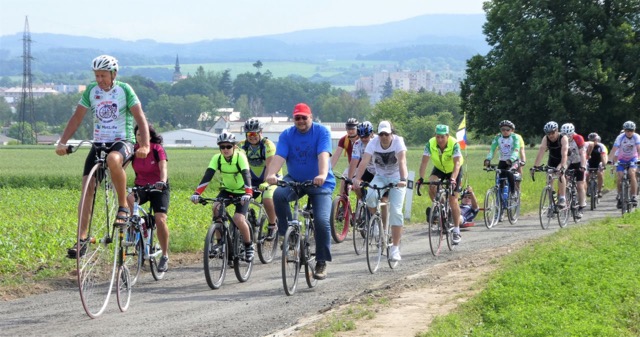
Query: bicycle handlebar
x=223 y=200
x=545 y=168
x=435 y=183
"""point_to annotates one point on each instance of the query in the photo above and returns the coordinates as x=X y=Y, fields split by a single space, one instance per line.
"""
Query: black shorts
x=240 y=208
x=552 y=162
x=124 y=147
x=442 y=175
x=159 y=200
x=577 y=173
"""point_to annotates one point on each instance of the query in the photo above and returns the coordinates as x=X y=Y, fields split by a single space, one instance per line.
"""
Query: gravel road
x=183 y=305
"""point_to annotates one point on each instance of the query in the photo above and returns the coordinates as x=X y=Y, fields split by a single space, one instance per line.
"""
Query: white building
x=189 y=138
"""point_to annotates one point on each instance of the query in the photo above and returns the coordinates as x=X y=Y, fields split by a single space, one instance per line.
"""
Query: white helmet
x=226 y=137
x=629 y=125
x=105 y=62
x=568 y=129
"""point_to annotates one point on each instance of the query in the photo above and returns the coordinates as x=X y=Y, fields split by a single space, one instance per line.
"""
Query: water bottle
x=505 y=193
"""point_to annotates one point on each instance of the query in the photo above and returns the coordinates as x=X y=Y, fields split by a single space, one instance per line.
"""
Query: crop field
x=39 y=192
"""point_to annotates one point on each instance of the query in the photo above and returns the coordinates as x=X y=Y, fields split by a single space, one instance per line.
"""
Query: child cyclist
x=235 y=181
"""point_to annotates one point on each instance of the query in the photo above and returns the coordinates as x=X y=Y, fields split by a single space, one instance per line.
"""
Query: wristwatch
x=403 y=179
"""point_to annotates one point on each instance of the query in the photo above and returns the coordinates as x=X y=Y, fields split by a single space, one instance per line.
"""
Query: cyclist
x=260 y=151
x=447 y=164
x=558 y=147
x=597 y=157
x=306 y=148
x=509 y=145
x=153 y=171
x=346 y=143
x=625 y=149
x=389 y=156
x=468 y=207
x=365 y=134
x=114 y=106
x=577 y=160
x=235 y=180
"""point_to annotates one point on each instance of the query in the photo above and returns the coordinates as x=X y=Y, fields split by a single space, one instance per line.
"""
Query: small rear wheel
x=133 y=253
x=340 y=218
x=123 y=288
x=215 y=256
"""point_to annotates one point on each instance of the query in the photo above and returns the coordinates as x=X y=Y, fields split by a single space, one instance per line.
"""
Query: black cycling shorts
x=159 y=200
x=442 y=175
x=124 y=147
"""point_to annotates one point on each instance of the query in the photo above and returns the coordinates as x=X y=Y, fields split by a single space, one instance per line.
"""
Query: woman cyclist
x=235 y=181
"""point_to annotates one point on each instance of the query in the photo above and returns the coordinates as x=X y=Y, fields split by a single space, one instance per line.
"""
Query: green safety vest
x=443 y=160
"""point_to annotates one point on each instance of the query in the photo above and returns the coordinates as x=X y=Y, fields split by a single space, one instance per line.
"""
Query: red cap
x=302 y=109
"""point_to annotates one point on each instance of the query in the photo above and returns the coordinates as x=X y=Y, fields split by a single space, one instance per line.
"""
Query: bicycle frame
x=378 y=241
x=548 y=207
x=440 y=219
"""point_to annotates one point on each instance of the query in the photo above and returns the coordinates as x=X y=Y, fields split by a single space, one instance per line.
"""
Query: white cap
x=384 y=126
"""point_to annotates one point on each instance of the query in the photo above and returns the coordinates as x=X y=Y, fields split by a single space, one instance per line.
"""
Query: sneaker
x=579 y=213
x=599 y=194
x=248 y=253
x=72 y=252
x=162 y=265
x=394 y=251
x=634 y=200
x=321 y=271
x=456 y=238
x=271 y=234
x=562 y=202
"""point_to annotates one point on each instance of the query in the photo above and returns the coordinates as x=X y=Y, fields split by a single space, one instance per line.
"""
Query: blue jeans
x=320 y=199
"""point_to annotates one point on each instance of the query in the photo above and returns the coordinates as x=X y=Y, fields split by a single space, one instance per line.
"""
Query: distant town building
x=408 y=81
x=177 y=75
x=12 y=95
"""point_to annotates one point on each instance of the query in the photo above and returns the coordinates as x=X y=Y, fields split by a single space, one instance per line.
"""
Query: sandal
x=72 y=252
x=123 y=218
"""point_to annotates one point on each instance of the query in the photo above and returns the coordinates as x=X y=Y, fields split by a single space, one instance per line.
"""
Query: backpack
x=245 y=148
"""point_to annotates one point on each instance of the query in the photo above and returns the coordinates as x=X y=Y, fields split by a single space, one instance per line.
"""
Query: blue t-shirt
x=301 y=151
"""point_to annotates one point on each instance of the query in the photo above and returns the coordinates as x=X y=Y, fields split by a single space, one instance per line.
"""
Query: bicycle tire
x=563 y=213
x=97 y=267
x=491 y=208
x=155 y=251
x=574 y=206
x=241 y=266
x=290 y=260
x=360 y=230
x=546 y=208
x=133 y=253
x=375 y=243
x=625 y=197
x=215 y=256
x=267 y=247
x=513 y=210
x=310 y=255
x=340 y=218
x=593 y=192
x=123 y=288
x=435 y=230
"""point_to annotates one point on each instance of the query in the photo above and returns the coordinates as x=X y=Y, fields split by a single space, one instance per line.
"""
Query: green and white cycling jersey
x=112 y=117
x=509 y=147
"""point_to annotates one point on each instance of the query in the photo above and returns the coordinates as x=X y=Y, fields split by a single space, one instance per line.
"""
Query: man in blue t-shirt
x=306 y=148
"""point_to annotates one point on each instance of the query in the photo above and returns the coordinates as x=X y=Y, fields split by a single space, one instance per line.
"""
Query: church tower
x=177 y=75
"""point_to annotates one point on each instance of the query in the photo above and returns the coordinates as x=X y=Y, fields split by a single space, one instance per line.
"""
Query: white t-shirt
x=386 y=160
x=358 y=151
x=627 y=149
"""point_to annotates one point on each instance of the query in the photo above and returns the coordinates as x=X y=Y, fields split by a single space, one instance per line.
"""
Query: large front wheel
x=96 y=257
x=340 y=218
x=291 y=260
x=375 y=243
x=491 y=208
x=215 y=256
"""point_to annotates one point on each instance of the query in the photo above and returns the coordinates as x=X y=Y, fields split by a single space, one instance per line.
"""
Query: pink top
x=148 y=169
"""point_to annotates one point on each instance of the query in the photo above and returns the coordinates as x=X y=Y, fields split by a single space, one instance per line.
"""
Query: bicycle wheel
x=625 y=197
x=546 y=209
x=340 y=218
x=593 y=193
x=97 y=255
x=491 y=208
x=123 y=288
x=574 y=206
x=215 y=256
x=359 y=230
x=133 y=253
x=241 y=266
x=563 y=213
x=310 y=256
x=290 y=260
x=267 y=246
x=375 y=243
x=155 y=253
x=513 y=210
x=436 y=233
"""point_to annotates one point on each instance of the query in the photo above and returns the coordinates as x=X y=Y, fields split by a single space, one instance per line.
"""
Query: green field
x=278 y=69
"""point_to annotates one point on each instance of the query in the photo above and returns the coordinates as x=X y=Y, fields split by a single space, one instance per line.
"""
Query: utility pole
x=26 y=103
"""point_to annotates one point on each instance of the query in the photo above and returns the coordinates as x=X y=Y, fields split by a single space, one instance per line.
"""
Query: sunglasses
x=298 y=118
x=505 y=129
x=252 y=134
x=225 y=147
x=383 y=134
x=367 y=136
x=629 y=130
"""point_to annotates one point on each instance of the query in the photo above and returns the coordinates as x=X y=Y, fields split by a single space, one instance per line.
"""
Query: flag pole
x=461 y=136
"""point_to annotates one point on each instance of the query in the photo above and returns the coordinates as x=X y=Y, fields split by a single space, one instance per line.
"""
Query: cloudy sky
x=182 y=21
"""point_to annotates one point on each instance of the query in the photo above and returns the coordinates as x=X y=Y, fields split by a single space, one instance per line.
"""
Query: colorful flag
x=461 y=134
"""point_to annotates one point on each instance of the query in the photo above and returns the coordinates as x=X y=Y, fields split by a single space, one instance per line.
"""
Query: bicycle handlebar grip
x=69 y=149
